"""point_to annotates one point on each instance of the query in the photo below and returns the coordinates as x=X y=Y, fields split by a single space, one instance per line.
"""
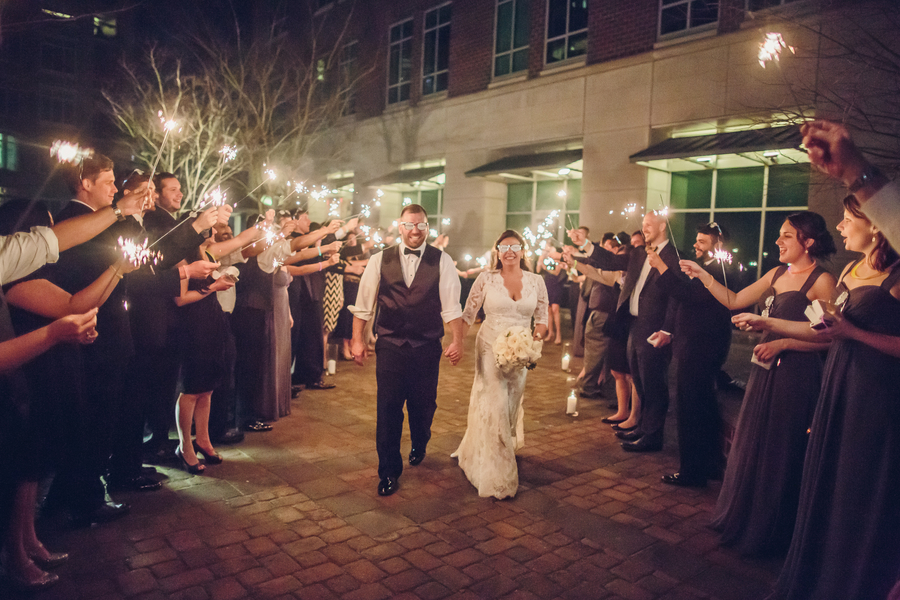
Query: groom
x=416 y=289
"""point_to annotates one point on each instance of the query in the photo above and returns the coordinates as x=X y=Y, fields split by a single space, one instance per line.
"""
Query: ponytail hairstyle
x=884 y=254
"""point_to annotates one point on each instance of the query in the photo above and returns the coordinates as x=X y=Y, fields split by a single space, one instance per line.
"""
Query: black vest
x=410 y=314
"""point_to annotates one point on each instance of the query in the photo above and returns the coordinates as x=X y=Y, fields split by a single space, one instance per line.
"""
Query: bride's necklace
x=801 y=271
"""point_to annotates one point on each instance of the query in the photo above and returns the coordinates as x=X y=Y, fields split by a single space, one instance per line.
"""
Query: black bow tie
x=411 y=251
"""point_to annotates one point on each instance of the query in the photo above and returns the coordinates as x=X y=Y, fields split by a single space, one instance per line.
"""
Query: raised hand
x=351 y=224
x=200 y=269
x=207 y=219
x=331 y=248
x=832 y=151
x=78 y=329
x=333 y=226
x=224 y=214
x=655 y=261
x=749 y=322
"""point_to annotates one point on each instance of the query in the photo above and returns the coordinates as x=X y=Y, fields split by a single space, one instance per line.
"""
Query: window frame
x=399 y=85
x=436 y=29
x=348 y=68
x=688 y=30
x=513 y=49
x=568 y=34
x=566 y=217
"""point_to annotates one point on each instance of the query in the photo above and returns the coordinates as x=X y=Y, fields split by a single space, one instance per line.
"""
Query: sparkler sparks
x=228 y=152
x=138 y=253
x=771 y=49
x=68 y=152
x=722 y=256
x=270 y=173
x=215 y=198
x=168 y=124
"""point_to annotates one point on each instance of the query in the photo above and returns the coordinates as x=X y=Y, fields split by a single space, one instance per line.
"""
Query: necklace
x=801 y=271
x=855 y=275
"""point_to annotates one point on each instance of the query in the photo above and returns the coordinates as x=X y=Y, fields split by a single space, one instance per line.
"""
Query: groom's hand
x=359 y=351
x=454 y=352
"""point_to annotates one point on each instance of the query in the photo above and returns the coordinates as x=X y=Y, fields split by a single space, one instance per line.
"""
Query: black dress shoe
x=320 y=385
x=682 y=480
x=611 y=421
x=257 y=426
x=106 y=512
x=141 y=483
x=628 y=436
x=387 y=486
x=590 y=395
x=416 y=456
x=644 y=444
x=618 y=428
x=232 y=436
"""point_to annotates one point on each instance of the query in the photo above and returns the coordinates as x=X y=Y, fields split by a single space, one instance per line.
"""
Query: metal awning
x=406 y=176
x=736 y=142
x=524 y=164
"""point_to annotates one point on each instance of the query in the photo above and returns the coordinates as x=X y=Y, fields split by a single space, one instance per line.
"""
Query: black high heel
x=197 y=469
x=211 y=459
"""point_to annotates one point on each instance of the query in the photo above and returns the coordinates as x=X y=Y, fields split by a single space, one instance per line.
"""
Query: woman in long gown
x=757 y=504
x=845 y=542
x=511 y=295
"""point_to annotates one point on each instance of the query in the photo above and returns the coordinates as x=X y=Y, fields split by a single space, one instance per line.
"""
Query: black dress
x=757 y=505
x=555 y=285
x=845 y=545
x=203 y=341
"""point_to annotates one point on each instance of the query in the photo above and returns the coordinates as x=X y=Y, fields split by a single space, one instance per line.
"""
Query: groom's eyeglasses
x=409 y=226
x=508 y=247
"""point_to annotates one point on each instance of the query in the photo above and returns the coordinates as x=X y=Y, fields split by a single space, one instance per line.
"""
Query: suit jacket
x=702 y=323
x=655 y=310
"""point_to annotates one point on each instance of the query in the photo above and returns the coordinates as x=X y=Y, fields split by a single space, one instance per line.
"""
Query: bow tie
x=411 y=251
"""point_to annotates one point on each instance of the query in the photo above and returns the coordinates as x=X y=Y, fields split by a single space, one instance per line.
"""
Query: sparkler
x=138 y=254
x=664 y=212
x=228 y=153
x=67 y=152
x=168 y=126
x=270 y=175
x=771 y=49
x=723 y=256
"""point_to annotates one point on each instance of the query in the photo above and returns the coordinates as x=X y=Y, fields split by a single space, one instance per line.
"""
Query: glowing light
x=771 y=49
x=561 y=193
x=168 y=124
x=407 y=201
x=334 y=208
x=68 y=152
x=564 y=171
x=722 y=256
x=379 y=193
x=215 y=198
x=467 y=257
x=270 y=173
x=445 y=221
x=433 y=233
x=228 y=152
x=138 y=253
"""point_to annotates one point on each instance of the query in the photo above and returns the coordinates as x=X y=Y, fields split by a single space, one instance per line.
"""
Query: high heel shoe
x=32 y=585
x=623 y=429
x=197 y=469
x=210 y=458
x=611 y=421
x=53 y=560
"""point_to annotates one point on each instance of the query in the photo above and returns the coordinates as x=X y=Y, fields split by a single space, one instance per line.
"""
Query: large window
x=530 y=204
x=567 y=22
x=749 y=203
x=399 y=66
x=348 y=68
x=9 y=153
x=511 y=45
x=677 y=16
x=436 y=50
x=754 y=5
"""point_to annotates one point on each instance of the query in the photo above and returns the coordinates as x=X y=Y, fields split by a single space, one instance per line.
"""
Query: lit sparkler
x=168 y=126
x=771 y=49
x=68 y=152
x=664 y=212
x=334 y=208
x=228 y=152
x=138 y=254
x=721 y=256
x=215 y=198
x=433 y=233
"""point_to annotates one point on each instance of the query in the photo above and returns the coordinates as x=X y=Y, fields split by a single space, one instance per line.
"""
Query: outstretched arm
x=73 y=328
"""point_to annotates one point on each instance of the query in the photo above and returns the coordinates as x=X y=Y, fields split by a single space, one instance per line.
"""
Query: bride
x=511 y=295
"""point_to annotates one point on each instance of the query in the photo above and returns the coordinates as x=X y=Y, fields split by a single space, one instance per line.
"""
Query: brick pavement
x=294 y=513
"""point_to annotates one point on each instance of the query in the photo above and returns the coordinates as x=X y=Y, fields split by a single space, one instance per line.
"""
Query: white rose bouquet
x=516 y=348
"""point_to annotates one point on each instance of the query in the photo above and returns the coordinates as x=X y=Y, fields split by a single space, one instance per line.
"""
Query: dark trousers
x=697 y=364
x=404 y=375
x=161 y=368
x=650 y=372
x=223 y=412
x=250 y=338
x=307 y=340
x=595 y=343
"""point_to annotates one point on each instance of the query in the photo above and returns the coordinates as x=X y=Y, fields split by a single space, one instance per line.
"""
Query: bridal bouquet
x=516 y=348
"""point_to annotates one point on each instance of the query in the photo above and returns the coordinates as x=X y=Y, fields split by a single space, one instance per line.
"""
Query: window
x=104 y=27
x=749 y=203
x=754 y=5
x=9 y=154
x=399 y=54
x=436 y=50
x=676 y=16
x=511 y=45
x=348 y=68
x=567 y=22
x=58 y=58
x=529 y=204
x=57 y=106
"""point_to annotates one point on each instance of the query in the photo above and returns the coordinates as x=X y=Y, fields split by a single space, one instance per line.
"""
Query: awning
x=338 y=183
x=406 y=176
x=736 y=142
x=524 y=164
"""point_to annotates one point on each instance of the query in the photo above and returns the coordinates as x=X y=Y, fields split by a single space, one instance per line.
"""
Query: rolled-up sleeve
x=23 y=253
x=368 y=289
x=449 y=289
x=883 y=209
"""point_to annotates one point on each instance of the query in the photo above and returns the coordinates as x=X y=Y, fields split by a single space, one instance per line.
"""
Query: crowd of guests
x=101 y=356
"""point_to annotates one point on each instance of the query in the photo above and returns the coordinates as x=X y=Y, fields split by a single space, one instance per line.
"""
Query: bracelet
x=865 y=178
x=320 y=266
x=319 y=248
x=116 y=272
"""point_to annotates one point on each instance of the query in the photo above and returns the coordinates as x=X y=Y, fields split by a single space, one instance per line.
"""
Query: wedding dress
x=494 y=431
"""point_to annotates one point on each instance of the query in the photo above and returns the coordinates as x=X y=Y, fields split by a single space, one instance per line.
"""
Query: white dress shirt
x=409 y=263
x=639 y=286
x=24 y=253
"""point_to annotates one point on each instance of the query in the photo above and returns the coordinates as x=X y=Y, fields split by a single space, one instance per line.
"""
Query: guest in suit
x=416 y=290
x=700 y=347
x=643 y=302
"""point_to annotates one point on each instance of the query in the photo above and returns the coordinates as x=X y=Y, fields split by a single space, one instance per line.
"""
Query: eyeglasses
x=410 y=226
x=715 y=226
x=508 y=247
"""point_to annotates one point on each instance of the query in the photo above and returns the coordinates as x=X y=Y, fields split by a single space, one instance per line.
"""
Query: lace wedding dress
x=487 y=453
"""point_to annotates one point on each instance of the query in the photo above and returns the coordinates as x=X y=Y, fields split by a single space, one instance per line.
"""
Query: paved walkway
x=294 y=513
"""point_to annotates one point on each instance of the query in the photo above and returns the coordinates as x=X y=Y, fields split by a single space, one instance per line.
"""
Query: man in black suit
x=648 y=308
x=700 y=347
x=416 y=289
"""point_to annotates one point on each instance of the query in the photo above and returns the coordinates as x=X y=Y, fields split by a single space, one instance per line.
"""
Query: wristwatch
x=865 y=178
x=118 y=212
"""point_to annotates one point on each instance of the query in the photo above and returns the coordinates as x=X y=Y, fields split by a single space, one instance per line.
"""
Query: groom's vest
x=410 y=314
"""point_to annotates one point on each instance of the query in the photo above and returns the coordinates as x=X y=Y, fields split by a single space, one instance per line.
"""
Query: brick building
x=493 y=113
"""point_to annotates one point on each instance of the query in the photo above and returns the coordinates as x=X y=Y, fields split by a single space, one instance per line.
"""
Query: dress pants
x=250 y=337
x=650 y=372
x=595 y=343
x=697 y=364
x=223 y=412
x=307 y=341
x=404 y=374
